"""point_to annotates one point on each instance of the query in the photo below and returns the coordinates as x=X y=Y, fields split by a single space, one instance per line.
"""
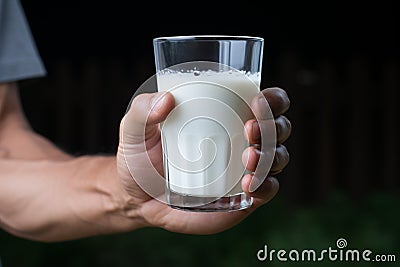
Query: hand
x=154 y=213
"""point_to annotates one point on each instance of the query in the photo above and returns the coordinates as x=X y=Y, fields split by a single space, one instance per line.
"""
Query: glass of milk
x=213 y=80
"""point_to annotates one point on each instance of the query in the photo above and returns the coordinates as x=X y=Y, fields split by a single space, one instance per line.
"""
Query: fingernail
x=254 y=184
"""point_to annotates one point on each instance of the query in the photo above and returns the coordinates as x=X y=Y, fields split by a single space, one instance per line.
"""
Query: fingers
x=283 y=129
x=278 y=103
x=281 y=159
x=264 y=190
x=150 y=108
x=264 y=193
x=251 y=156
x=253 y=133
x=277 y=99
x=145 y=112
x=273 y=102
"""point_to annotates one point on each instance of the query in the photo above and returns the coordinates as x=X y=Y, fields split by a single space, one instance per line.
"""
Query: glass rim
x=181 y=38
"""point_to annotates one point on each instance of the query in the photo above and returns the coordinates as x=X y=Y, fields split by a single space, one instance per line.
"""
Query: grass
x=371 y=224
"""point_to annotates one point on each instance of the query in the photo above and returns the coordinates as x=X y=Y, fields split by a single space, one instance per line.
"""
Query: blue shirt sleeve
x=19 y=58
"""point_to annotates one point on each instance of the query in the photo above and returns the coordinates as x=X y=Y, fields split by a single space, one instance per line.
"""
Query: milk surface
x=203 y=137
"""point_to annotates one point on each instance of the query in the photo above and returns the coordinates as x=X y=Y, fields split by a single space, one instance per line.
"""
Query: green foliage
x=371 y=224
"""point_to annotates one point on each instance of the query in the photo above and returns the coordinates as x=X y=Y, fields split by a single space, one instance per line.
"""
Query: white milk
x=203 y=137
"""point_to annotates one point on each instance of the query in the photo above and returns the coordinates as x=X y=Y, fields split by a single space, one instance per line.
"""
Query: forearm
x=50 y=200
x=17 y=140
x=45 y=194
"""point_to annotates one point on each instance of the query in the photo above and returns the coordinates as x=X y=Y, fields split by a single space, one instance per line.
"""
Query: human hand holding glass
x=144 y=135
x=157 y=214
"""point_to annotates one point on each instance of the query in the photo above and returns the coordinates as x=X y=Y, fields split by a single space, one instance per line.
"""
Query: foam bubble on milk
x=203 y=137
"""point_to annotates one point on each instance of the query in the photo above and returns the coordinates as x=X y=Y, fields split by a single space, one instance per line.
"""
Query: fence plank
x=390 y=115
x=293 y=181
x=92 y=105
x=65 y=84
x=360 y=136
x=326 y=153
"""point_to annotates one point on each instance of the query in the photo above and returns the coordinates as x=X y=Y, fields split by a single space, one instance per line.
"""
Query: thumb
x=144 y=114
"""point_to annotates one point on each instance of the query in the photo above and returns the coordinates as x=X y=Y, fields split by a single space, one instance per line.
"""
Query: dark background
x=339 y=63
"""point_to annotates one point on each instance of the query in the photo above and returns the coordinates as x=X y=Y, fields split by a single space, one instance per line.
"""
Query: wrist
x=119 y=206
